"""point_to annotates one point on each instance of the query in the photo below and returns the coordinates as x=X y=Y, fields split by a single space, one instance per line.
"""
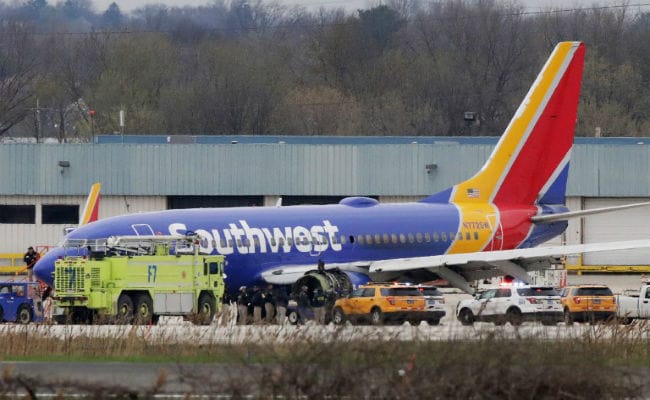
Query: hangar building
x=43 y=186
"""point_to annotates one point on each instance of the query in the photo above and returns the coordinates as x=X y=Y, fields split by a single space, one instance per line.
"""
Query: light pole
x=92 y=123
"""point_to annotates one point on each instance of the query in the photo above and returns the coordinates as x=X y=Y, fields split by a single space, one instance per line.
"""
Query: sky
x=351 y=5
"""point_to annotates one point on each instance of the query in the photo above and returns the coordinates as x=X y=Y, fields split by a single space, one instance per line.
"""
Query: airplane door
x=142 y=229
x=497 y=228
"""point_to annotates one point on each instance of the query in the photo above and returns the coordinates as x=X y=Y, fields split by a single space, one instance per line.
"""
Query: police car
x=514 y=304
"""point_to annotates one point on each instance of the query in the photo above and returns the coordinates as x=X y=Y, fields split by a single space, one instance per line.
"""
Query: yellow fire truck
x=138 y=279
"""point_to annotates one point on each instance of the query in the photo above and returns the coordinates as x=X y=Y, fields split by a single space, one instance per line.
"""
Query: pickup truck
x=631 y=307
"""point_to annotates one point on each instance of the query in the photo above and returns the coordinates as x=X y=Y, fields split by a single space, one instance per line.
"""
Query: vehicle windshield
x=595 y=291
x=537 y=291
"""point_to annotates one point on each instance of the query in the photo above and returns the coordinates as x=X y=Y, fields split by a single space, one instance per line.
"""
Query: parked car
x=20 y=302
x=388 y=302
x=514 y=304
x=634 y=306
x=588 y=303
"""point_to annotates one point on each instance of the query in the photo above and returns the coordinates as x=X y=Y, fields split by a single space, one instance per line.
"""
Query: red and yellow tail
x=91 y=209
x=529 y=165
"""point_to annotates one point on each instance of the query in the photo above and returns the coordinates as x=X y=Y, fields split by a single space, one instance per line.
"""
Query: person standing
x=242 y=306
x=257 y=300
x=269 y=304
x=304 y=304
x=281 y=303
x=318 y=304
x=30 y=258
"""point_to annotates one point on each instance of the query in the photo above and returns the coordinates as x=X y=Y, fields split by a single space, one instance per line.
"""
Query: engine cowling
x=340 y=282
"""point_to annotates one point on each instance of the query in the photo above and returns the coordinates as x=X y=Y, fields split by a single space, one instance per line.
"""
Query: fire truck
x=137 y=279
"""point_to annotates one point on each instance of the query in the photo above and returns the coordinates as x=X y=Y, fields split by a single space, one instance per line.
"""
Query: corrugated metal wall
x=283 y=169
x=16 y=237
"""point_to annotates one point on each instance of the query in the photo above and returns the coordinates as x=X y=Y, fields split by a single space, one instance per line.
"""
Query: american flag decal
x=473 y=193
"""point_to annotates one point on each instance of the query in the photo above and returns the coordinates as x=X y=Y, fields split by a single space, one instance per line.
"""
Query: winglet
x=91 y=209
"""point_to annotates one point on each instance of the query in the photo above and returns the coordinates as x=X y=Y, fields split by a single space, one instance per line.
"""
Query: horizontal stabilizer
x=582 y=213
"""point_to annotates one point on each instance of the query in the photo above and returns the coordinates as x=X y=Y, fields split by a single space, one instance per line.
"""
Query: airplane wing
x=462 y=267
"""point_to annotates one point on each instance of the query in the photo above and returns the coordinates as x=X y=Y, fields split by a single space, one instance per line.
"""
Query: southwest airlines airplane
x=485 y=226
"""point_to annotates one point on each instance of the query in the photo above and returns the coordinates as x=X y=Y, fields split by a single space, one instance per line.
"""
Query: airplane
x=486 y=226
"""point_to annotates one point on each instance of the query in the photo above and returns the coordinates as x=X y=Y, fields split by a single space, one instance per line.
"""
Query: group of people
x=269 y=305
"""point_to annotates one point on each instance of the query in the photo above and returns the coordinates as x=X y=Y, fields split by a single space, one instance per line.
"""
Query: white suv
x=514 y=304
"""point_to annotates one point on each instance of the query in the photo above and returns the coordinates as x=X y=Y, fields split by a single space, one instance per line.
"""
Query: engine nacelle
x=340 y=282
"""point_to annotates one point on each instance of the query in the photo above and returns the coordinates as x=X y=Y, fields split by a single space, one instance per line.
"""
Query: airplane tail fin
x=530 y=163
x=90 y=212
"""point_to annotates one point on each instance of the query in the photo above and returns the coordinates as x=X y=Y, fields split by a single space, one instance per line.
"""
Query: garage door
x=620 y=225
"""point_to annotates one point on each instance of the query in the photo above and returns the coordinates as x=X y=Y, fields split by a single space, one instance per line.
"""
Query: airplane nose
x=44 y=268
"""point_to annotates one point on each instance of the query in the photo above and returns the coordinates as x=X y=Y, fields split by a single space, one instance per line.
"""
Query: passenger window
x=443 y=235
x=385 y=238
x=290 y=241
x=272 y=242
x=460 y=236
x=436 y=237
x=4 y=289
x=452 y=235
x=503 y=293
x=369 y=292
x=223 y=242
x=393 y=238
x=351 y=239
x=468 y=236
x=343 y=239
x=475 y=235
x=357 y=293
x=427 y=237
x=360 y=239
x=402 y=238
x=238 y=242
x=418 y=237
x=411 y=238
x=230 y=243
x=384 y=292
x=647 y=293
x=369 y=239
x=280 y=241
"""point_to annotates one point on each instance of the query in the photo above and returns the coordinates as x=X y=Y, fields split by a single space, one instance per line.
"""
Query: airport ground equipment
x=634 y=306
x=20 y=302
x=138 y=279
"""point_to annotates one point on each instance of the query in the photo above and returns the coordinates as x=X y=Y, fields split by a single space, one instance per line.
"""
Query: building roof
x=298 y=165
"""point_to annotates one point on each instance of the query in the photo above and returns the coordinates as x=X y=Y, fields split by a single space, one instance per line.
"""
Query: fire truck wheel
x=124 y=309
x=143 y=309
x=24 y=315
x=206 y=309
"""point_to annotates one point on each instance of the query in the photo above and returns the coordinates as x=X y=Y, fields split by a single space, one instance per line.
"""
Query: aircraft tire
x=466 y=317
x=2 y=314
x=124 y=309
x=338 y=316
x=625 y=320
x=206 y=309
x=24 y=315
x=376 y=317
x=143 y=311
x=293 y=317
